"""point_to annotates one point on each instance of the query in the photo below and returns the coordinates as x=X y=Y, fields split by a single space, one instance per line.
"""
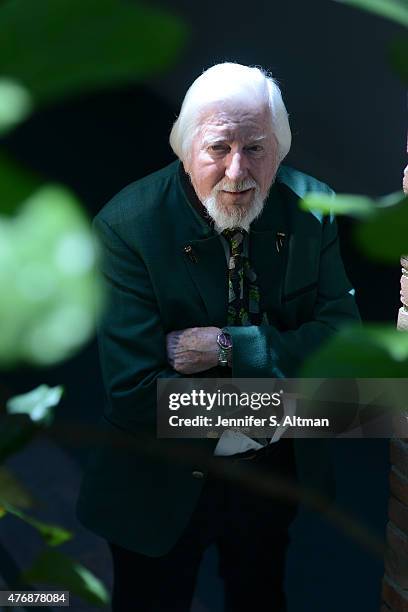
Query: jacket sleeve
x=264 y=351
x=132 y=343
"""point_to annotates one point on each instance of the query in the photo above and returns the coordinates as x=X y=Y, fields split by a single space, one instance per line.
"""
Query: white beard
x=236 y=216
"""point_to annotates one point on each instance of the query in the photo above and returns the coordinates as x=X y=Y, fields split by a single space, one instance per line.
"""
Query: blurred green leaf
x=38 y=403
x=16 y=431
x=385 y=237
x=16 y=184
x=390 y=200
x=12 y=491
x=396 y=10
x=383 y=234
x=53 y=535
x=375 y=351
x=15 y=104
x=51 y=290
x=3 y=512
x=342 y=204
x=398 y=57
x=59 y=47
x=53 y=567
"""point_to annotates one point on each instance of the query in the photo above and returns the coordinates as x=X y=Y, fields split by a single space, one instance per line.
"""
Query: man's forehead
x=222 y=114
x=223 y=123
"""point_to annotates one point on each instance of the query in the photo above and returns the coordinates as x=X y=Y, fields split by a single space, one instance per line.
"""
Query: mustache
x=226 y=185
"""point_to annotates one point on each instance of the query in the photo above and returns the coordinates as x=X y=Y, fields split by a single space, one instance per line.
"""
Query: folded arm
x=265 y=351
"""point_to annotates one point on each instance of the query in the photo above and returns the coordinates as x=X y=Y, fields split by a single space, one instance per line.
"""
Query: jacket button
x=198 y=474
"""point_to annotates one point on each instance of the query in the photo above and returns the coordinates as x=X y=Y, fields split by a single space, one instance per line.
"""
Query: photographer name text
x=246 y=421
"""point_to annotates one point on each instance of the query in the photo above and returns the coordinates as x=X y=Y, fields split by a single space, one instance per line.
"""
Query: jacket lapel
x=269 y=246
x=207 y=265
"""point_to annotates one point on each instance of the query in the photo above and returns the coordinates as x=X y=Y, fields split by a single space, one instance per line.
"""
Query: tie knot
x=235 y=238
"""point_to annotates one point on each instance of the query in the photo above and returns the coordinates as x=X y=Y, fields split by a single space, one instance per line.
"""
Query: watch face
x=224 y=340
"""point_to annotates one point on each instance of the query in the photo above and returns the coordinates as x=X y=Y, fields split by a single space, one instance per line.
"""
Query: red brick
x=396 y=556
x=404 y=290
x=399 y=455
x=403 y=319
x=399 y=485
x=397 y=540
x=398 y=514
x=393 y=596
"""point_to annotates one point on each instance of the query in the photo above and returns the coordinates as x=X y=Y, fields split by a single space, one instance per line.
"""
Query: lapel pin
x=188 y=250
x=280 y=239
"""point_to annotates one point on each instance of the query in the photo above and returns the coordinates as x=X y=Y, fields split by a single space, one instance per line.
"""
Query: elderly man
x=211 y=269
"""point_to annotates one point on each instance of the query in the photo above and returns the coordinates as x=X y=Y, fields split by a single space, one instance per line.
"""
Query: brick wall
x=403 y=311
x=395 y=583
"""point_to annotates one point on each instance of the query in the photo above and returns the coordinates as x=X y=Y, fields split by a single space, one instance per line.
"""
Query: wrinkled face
x=233 y=162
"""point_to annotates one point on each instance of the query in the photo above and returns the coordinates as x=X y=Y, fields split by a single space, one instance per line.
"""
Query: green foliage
x=398 y=58
x=16 y=184
x=16 y=431
x=372 y=351
x=15 y=104
x=63 y=47
x=38 y=403
x=53 y=535
x=12 y=492
x=26 y=414
x=358 y=206
x=384 y=237
x=53 y=567
x=51 y=294
x=344 y=204
x=396 y=10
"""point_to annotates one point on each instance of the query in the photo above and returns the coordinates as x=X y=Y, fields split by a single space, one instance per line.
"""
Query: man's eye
x=218 y=148
x=255 y=148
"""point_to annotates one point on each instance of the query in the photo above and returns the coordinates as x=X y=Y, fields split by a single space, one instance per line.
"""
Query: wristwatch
x=224 y=342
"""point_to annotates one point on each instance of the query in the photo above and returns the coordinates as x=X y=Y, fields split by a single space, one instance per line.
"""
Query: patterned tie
x=244 y=295
x=243 y=291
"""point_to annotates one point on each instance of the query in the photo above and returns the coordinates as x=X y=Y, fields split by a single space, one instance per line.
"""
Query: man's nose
x=236 y=169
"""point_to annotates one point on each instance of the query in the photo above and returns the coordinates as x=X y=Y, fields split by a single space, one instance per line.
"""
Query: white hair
x=228 y=82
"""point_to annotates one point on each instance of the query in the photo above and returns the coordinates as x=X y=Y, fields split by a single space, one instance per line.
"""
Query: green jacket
x=137 y=491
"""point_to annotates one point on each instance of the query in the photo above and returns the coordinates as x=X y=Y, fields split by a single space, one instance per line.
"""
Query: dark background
x=347 y=113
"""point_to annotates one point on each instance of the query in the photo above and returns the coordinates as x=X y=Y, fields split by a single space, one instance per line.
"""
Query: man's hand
x=192 y=350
